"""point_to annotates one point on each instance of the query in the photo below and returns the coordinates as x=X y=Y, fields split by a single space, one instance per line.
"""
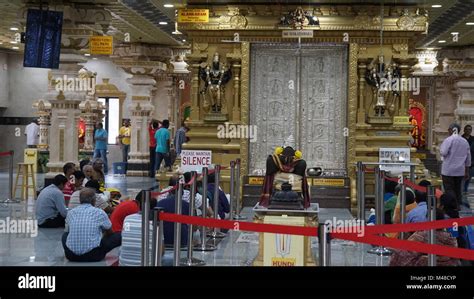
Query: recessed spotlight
x=1 y=43
x=441 y=41
x=436 y=5
x=168 y=5
x=13 y=42
x=15 y=48
x=14 y=28
x=470 y=23
x=184 y=40
x=163 y=23
x=87 y=54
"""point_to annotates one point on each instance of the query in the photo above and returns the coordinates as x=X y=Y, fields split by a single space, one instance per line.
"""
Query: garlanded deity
x=285 y=185
x=215 y=77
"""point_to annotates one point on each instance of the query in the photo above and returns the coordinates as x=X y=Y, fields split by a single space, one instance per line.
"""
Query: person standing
x=32 y=133
x=152 y=145
x=470 y=140
x=456 y=156
x=124 y=135
x=162 y=137
x=100 y=150
x=180 y=138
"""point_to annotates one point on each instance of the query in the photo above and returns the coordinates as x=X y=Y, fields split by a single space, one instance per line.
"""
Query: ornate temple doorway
x=299 y=91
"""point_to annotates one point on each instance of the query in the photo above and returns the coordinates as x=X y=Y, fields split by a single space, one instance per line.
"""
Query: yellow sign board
x=283 y=250
x=329 y=182
x=193 y=16
x=101 y=45
x=401 y=120
x=297 y=33
x=256 y=180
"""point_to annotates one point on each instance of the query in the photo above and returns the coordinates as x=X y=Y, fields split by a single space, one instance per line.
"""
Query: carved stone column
x=90 y=111
x=141 y=61
x=44 y=115
x=361 y=114
x=464 y=112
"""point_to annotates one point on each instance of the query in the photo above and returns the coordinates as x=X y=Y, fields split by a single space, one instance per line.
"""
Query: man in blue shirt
x=88 y=236
x=168 y=204
x=50 y=206
x=100 y=150
x=418 y=214
x=162 y=137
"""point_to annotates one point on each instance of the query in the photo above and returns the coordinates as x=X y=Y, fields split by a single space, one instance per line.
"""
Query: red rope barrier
x=4 y=154
x=369 y=236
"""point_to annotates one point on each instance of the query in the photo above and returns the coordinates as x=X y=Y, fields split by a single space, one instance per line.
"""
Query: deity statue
x=215 y=76
x=285 y=185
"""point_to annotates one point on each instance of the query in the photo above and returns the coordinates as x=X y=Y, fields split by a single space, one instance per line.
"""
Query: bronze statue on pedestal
x=215 y=76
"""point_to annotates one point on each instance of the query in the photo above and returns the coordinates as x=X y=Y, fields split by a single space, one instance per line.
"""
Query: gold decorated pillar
x=361 y=113
x=44 y=115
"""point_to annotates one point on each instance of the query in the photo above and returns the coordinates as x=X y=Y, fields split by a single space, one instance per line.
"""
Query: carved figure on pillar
x=215 y=77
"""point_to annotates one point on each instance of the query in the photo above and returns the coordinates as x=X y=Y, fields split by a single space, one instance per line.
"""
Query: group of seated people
x=416 y=210
x=95 y=224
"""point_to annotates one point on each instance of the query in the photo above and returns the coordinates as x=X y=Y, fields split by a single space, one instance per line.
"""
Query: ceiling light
x=470 y=23
x=436 y=5
x=1 y=43
x=14 y=28
x=184 y=40
x=441 y=41
x=168 y=5
x=87 y=54
x=163 y=23
x=15 y=48
x=13 y=42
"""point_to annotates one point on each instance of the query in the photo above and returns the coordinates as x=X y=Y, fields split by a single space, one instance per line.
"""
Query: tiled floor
x=237 y=249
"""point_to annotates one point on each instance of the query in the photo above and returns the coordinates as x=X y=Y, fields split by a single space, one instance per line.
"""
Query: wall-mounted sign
x=401 y=120
x=193 y=16
x=195 y=160
x=297 y=33
x=329 y=182
x=394 y=155
x=256 y=180
x=101 y=45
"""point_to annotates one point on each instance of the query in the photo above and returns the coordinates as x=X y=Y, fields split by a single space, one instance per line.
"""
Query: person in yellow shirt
x=124 y=136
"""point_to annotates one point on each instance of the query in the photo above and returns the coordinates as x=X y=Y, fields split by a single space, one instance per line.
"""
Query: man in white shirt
x=32 y=134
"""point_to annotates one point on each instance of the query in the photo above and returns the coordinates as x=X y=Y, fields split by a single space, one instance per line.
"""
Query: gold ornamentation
x=244 y=105
x=352 y=108
x=406 y=22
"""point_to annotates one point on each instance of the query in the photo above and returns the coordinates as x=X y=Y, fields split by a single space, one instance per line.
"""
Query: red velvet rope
x=4 y=154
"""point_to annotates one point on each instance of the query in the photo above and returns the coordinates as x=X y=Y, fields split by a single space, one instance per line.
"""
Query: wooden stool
x=25 y=170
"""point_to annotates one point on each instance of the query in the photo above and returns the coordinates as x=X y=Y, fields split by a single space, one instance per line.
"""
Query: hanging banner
x=193 y=16
x=101 y=45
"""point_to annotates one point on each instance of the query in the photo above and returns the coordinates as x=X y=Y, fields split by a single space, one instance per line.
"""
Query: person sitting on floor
x=69 y=188
x=50 y=207
x=413 y=258
x=78 y=181
x=88 y=236
x=126 y=208
x=410 y=204
x=88 y=172
x=223 y=204
x=98 y=173
x=418 y=214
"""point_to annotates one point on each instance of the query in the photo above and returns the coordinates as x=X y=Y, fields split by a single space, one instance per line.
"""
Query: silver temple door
x=299 y=92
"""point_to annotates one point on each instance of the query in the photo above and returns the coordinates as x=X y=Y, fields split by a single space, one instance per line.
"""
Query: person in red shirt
x=154 y=126
x=126 y=208
x=69 y=188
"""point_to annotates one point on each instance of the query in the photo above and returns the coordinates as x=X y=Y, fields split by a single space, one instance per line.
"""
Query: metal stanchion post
x=158 y=238
x=203 y=230
x=403 y=203
x=431 y=217
x=216 y=233
x=145 y=227
x=177 y=226
x=360 y=190
x=238 y=200
x=379 y=208
x=190 y=261
x=412 y=173
x=232 y=189
x=324 y=245
x=10 y=198
x=154 y=233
